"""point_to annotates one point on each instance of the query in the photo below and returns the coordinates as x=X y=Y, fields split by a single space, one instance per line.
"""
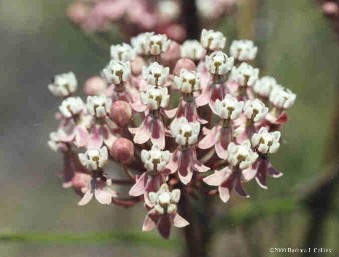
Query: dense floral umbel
x=199 y=120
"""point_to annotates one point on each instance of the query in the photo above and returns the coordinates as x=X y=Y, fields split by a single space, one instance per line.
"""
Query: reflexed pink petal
x=218 y=177
x=86 y=198
x=224 y=139
x=104 y=195
x=200 y=167
x=204 y=97
x=81 y=136
x=95 y=139
x=158 y=133
x=239 y=189
x=108 y=136
x=171 y=113
x=143 y=133
x=218 y=91
x=282 y=118
x=148 y=224
x=139 y=187
x=274 y=172
x=173 y=164
x=262 y=169
x=224 y=194
x=164 y=226
x=179 y=221
x=185 y=170
x=210 y=139
x=138 y=106
x=249 y=173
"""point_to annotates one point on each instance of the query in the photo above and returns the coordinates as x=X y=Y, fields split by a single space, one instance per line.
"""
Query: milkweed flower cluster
x=206 y=117
x=136 y=16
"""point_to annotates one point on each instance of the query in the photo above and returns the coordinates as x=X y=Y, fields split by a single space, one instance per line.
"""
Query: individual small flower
x=64 y=84
x=244 y=75
x=228 y=108
x=141 y=43
x=241 y=155
x=117 y=72
x=155 y=74
x=188 y=81
x=264 y=86
x=219 y=63
x=155 y=162
x=255 y=110
x=243 y=50
x=99 y=106
x=122 y=150
x=155 y=98
x=212 y=40
x=121 y=113
x=55 y=143
x=99 y=188
x=94 y=159
x=266 y=142
x=169 y=10
x=164 y=211
x=122 y=52
x=158 y=43
x=184 y=132
x=71 y=106
x=155 y=159
x=192 y=49
x=282 y=98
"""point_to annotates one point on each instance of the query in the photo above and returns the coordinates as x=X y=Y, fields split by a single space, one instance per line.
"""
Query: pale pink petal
x=138 y=106
x=148 y=224
x=249 y=173
x=200 y=167
x=179 y=221
x=95 y=139
x=143 y=134
x=139 y=187
x=86 y=198
x=210 y=139
x=158 y=133
x=171 y=113
x=224 y=194
x=218 y=177
x=81 y=136
x=104 y=195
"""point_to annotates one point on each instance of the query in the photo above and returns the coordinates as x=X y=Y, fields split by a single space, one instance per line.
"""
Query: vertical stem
x=190 y=19
x=198 y=235
x=321 y=201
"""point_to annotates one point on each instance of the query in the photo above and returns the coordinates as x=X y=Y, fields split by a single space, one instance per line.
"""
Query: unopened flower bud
x=77 y=12
x=122 y=150
x=184 y=63
x=121 y=113
x=94 y=86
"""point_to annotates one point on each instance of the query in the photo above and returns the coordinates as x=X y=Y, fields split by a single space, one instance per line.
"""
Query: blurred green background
x=297 y=47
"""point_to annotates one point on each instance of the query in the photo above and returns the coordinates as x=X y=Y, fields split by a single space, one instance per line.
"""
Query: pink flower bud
x=80 y=181
x=94 y=86
x=122 y=150
x=121 y=113
x=330 y=8
x=172 y=55
x=184 y=63
x=77 y=12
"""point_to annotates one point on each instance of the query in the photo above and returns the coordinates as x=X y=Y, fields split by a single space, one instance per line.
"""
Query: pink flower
x=164 y=212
